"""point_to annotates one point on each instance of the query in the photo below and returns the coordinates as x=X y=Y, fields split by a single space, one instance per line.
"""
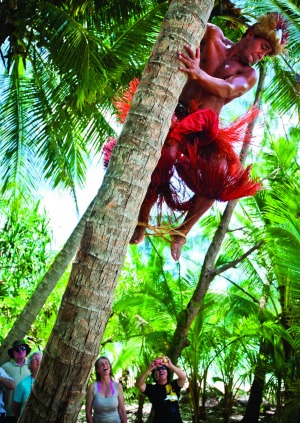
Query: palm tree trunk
x=196 y=400
x=45 y=287
x=257 y=387
x=73 y=346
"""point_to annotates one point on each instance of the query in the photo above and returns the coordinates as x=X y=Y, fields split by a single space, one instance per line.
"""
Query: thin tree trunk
x=203 y=414
x=73 y=346
x=256 y=391
x=284 y=396
x=188 y=315
x=45 y=287
x=209 y=270
x=194 y=390
x=139 y=414
x=257 y=387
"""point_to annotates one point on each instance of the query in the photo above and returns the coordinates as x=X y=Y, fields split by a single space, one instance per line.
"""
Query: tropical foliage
x=62 y=62
x=24 y=253
x=59 y=65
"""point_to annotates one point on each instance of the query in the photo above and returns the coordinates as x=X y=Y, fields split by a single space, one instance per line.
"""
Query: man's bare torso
x=218 y=61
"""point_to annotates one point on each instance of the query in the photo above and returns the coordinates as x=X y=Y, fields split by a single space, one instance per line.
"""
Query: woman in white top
x=105 y=399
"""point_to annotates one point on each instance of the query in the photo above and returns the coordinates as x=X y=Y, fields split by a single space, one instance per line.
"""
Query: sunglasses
x=19 y=349
x=161 y=368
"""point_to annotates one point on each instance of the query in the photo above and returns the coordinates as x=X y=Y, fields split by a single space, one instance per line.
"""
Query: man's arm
x=212 y=30
x=6 y=382
x=228 y=88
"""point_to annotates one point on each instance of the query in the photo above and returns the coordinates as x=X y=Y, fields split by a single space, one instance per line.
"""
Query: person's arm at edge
x=121 y=405
x=7 y=382
x=89 y=404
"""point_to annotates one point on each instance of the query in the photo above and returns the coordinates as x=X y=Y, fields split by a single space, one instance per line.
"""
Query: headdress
x=273 y=28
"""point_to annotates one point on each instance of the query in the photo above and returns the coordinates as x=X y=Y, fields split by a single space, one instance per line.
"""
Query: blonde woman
x=105 y=399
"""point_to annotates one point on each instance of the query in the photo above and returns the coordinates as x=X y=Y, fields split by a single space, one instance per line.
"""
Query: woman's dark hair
x=168 y=370
x=96 y=367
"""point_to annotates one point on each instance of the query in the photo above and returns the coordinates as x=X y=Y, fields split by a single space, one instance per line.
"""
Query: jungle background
x=235 y=291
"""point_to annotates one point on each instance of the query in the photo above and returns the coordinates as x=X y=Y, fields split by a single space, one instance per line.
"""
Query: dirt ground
x=213 y=414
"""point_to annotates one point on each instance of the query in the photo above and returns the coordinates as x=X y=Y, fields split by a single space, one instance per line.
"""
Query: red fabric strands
x=206 y=162
x=198 y=157
x=123 y=101
x=107 y=150
x=202 y=124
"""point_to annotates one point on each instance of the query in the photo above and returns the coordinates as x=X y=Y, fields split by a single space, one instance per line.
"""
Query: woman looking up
x=105 y=399
x=164 y=395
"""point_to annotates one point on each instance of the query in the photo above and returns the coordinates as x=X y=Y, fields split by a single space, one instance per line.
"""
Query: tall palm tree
x=276 y=351
x=282 y=210
x=121 y=44
x=26 y=154
x=120 y=151
x=86 y=304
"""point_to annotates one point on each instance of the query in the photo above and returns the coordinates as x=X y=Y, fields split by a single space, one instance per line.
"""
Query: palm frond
x=284 y=98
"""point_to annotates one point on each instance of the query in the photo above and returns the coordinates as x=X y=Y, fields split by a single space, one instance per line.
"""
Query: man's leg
x=199 y=206
x=201 y=122
x=143 y=219
x=161 y=175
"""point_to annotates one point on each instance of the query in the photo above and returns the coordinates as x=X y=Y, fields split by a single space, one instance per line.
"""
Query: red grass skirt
x=205 y=164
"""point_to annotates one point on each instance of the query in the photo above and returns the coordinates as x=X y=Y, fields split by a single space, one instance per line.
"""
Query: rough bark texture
x=73 y=346
x=45 y=287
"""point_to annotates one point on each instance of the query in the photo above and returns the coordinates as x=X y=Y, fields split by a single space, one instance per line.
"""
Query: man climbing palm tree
x=202 y=153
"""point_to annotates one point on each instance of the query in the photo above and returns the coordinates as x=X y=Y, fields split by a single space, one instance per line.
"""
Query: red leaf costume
x=205 y=164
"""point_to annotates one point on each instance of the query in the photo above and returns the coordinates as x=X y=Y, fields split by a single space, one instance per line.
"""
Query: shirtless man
x=218 y=72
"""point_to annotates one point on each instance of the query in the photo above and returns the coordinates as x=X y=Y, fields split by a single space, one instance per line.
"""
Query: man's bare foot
x=177 y=243
x=138 y=234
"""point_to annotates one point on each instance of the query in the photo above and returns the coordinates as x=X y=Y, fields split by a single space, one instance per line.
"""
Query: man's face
x=19 y=352
x=255 y=50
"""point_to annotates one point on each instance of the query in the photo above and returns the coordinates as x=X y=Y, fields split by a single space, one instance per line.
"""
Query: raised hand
x=191 y=61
